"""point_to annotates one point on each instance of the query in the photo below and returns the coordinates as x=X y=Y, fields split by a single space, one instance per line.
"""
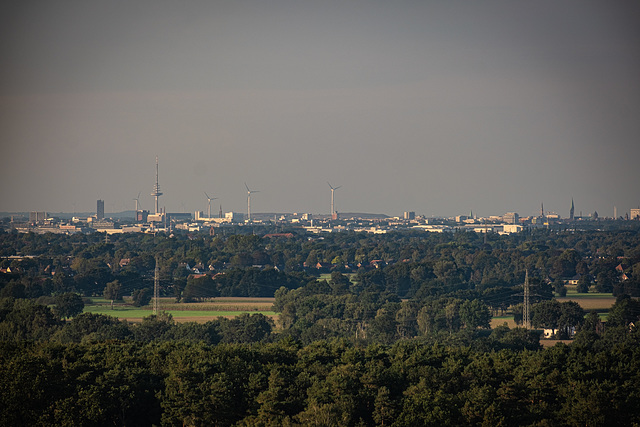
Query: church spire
x=572 y=211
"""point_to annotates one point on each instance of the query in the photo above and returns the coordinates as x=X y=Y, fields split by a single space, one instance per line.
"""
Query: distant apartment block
x=37 y=216
x=101 y=224
x=156 y=217
x=511 y=218
x=100 y=210
x=141 y=216
x=409 y=216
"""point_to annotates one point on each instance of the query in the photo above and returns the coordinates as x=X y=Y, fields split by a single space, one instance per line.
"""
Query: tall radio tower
x=156 y=189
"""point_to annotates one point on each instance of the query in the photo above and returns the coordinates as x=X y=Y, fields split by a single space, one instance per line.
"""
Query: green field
x=197 y=312
x=327 y=277
x=129 y=311
x=573 y=293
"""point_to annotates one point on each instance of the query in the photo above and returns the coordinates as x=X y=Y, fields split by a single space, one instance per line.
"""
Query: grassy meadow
x=184 y=312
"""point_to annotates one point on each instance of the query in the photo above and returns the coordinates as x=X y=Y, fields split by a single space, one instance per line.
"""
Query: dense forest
x=397 y=334
x=99 y=372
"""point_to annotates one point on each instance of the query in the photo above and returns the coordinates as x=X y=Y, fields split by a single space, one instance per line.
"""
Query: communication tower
x=156 y=189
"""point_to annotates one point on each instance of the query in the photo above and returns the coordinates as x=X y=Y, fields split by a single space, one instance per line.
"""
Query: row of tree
x=407 y=263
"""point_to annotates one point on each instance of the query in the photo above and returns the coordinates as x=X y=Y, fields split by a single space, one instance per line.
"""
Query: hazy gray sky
x=433 y=106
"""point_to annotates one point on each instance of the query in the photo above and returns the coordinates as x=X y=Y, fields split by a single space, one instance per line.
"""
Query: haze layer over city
x=435 y=107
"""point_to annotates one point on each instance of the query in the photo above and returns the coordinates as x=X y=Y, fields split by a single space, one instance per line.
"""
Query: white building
x=234 y=216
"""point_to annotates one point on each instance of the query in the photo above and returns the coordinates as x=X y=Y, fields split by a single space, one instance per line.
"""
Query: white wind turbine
x=249 y=200
x=209 y=199
x=333 y=189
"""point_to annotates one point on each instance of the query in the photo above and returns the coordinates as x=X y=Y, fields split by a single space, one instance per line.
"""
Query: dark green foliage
x=564 y=317
x=93 y=327
x=113 y=291
x=348 y=351
x=625 y=311
x=339 y=283
x=475 y=314
x=516 y=338
x=253 y=282
x=24 y=320
x=199 y=288
x=141 y=297
x=154 y=328
x=68 y=305
x=245 y=328
x=330 y=382
x=407 y=263
x=583 y=284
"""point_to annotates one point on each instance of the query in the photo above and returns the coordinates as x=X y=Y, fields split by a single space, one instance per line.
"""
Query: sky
x=436 y=107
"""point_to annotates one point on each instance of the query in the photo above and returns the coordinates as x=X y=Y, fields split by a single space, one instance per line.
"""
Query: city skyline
x=400 y=214
x=441 y=109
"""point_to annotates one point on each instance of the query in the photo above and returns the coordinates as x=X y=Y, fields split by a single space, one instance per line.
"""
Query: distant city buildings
x=511 y=228
x=160 y=221
x=511 y=218
x=36 y=217
x=145 y=222
x=234 y=216
x=159 y=217
x=179 y=216
x=101 y=224
x=142 y=216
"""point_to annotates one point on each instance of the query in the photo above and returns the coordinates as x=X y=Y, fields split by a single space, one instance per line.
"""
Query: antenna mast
x=156 y=189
